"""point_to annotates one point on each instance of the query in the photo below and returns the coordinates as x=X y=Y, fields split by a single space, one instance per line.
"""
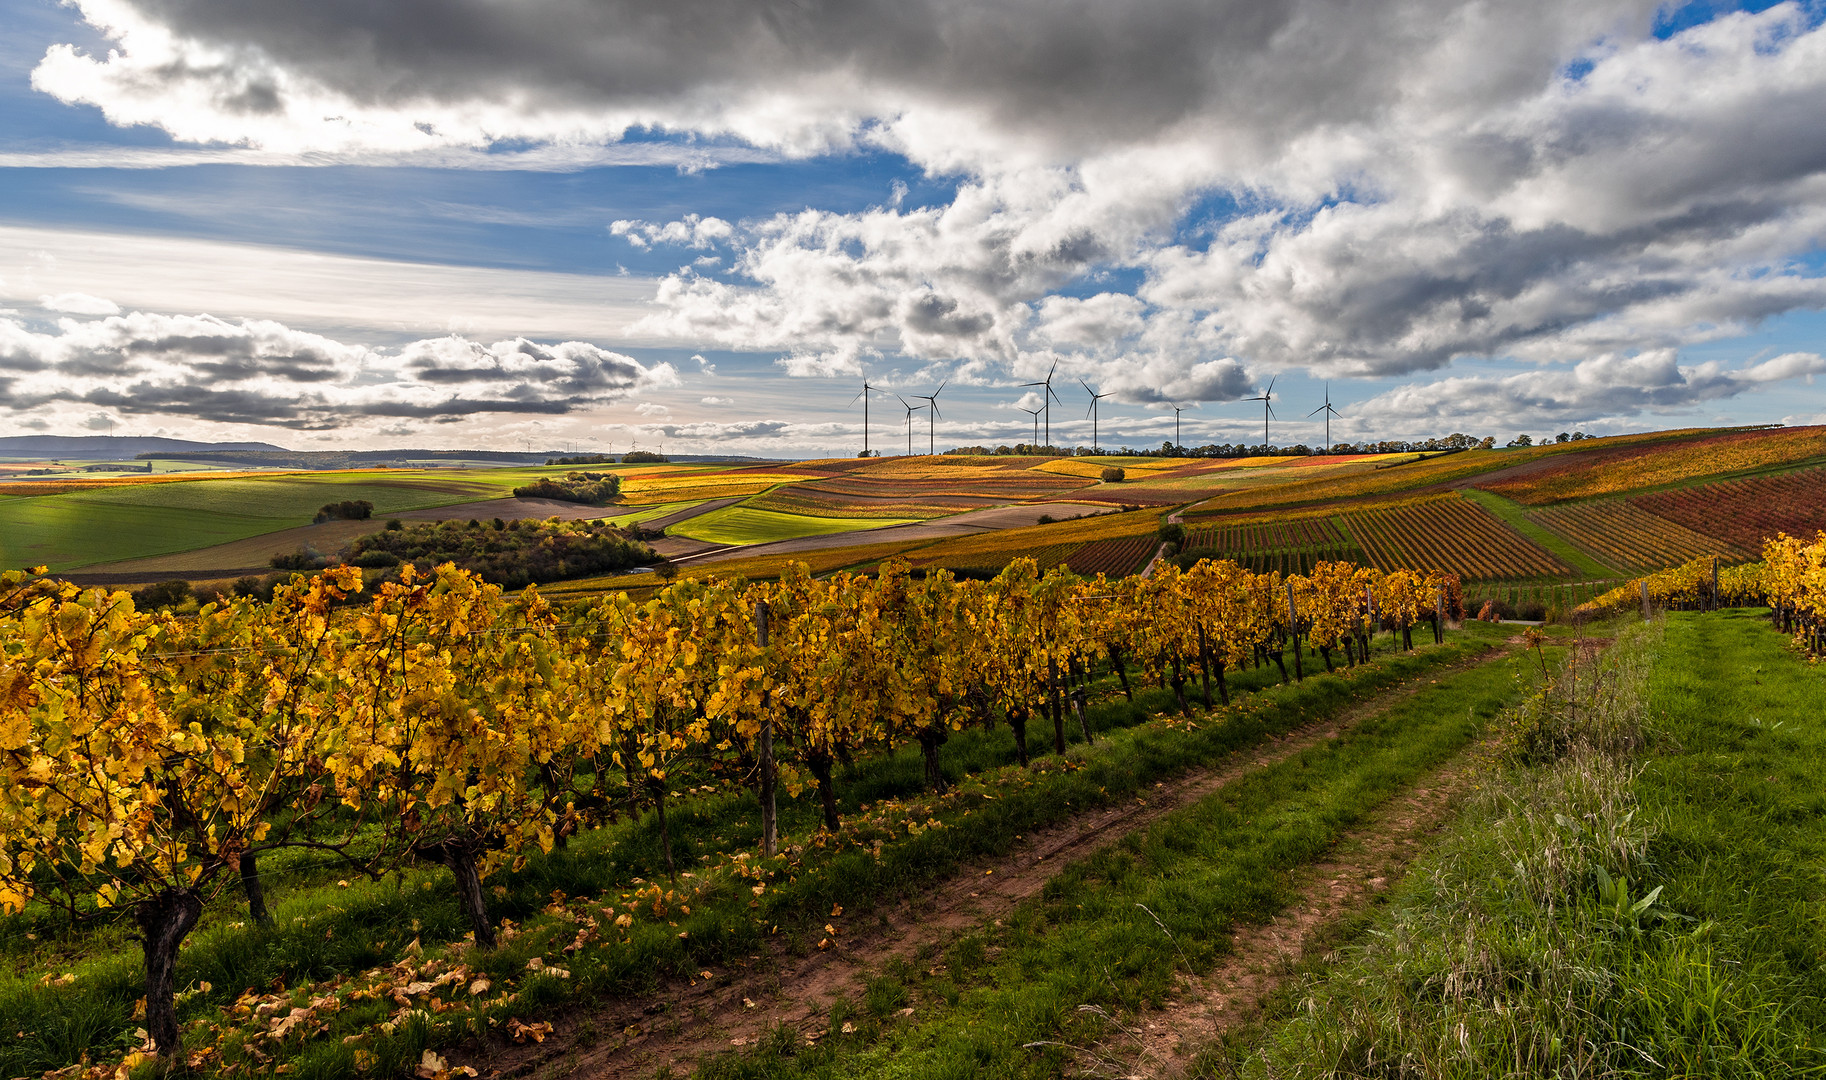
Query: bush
x=523 y=553
x=162 y=594
x=305 y=558
x=395 y=524
x=1172 y=532
x=1045 y=519
x=347 y=510
x=643 y=457
x=1113 y=475
x=587 y=488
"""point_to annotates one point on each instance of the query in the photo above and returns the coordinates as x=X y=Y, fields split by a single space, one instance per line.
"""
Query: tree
x=1113 y=475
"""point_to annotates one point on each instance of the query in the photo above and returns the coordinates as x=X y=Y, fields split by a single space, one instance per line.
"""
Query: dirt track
x=686 y=1022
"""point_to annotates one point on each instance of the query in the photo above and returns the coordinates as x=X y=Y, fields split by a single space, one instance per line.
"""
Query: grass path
x=912 y=993
x=1642 y=902
x=794 y=992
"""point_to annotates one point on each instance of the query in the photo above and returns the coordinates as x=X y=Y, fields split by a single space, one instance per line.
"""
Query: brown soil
x=687 y=1022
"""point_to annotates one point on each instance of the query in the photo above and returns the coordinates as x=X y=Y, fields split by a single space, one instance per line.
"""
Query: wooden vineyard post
x=770 y=834
x=1439 y=617
x=1715 y=598
x=1369 y=621
x=1293 y=630
x=1645 y=611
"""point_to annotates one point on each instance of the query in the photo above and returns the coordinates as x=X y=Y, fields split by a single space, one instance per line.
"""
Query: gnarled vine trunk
x=929 y=742
x=820 y=765
x=255 y=892
x=164 y=921
x=1122 y=672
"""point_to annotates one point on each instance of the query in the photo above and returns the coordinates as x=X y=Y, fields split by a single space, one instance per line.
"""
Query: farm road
x=686 y=1023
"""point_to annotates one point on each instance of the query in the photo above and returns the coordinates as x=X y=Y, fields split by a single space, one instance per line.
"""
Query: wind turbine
x=911 y=409
x=1035 y=413
x=931 y=400
x=1329 y=413
x=1046 y=399
x=866 y=388
x=1095 y=397
x=1267 y=409
x=1176 y=411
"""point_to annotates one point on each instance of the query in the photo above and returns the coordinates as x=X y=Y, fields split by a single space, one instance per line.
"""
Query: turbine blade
x=1318 y=410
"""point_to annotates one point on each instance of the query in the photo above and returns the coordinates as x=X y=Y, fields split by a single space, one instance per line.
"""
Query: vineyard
x=1626 y=467
x=152 y=761
x=1291 y=546
x=1451 y=534
x=1744 y=513
x=1112 y=558
x=1628 y=537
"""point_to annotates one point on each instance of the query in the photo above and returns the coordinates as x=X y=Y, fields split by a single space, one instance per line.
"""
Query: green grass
x=747 y=525
x=1515 y=515
x=1115 y=931
x=107 y=525
x=324 y=930
x=53 y=530
x=1640 y=906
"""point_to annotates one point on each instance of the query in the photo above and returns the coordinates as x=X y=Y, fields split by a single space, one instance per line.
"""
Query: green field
x=105 y=525
x=62 y=533
x=746 y=525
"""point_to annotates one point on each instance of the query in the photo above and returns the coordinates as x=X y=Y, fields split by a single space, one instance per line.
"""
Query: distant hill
x=104 y=446
x=273 y=458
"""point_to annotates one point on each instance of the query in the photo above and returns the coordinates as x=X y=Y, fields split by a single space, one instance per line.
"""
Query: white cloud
x=1371 y=188
x=692 y=232
x=76 y=303
x=649 y=409
x=1612 y=386
x=713 y=400
x=201 y=368
x=370 y=298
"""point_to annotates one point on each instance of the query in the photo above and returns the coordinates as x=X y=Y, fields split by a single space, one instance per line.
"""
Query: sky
x=701 y=225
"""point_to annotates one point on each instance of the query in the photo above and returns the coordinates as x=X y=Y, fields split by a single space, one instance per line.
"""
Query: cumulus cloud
x=1370 y=188
x=76 y=303
x=262 y=372
x=714 y=400
x=1602 y=387
x=691 y=231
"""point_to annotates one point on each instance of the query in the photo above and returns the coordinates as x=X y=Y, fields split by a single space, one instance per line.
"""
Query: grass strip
x=1635 y=906
x=1515 y=515
x=1115 y=931
x=339 y=929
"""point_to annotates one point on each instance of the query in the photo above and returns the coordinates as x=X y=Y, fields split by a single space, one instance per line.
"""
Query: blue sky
x=1604 y=216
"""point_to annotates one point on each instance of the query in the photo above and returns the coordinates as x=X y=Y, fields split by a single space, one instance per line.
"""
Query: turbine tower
x=1329 y=413
x=1046 y=398
x=1176 y=411
x=1267 y=409
x=931 y=400
x=1035 y=413
x=864 y=396
x=911 y=409
x=1092 y=413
